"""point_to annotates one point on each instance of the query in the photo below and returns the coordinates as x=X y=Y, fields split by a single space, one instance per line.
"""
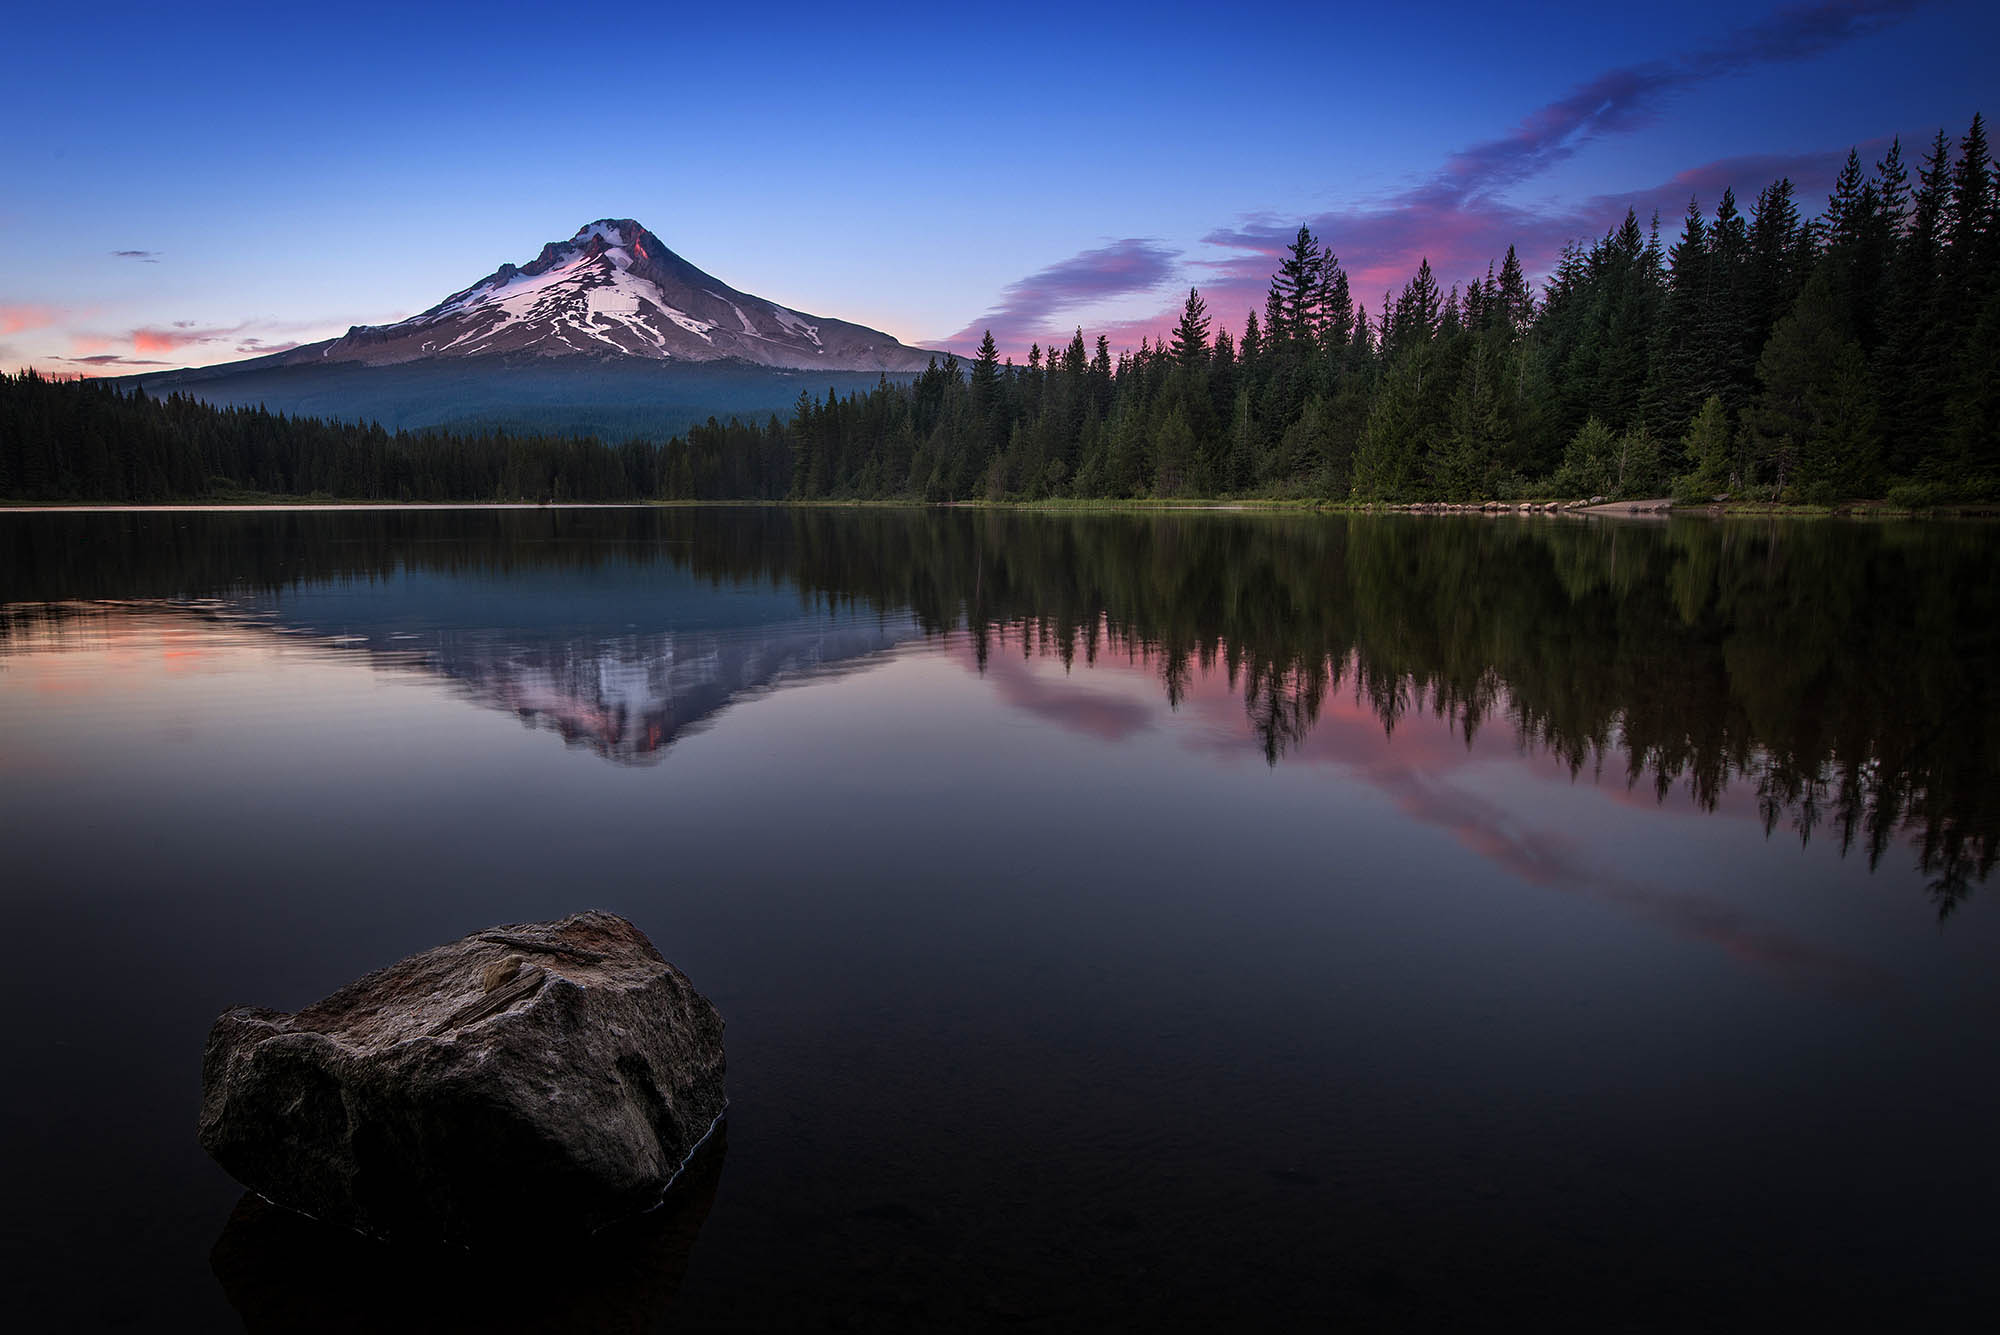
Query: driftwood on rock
x=533 y=1078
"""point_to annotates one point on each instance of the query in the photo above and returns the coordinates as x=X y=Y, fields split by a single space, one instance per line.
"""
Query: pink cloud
x=181 y=335
x=14 y=319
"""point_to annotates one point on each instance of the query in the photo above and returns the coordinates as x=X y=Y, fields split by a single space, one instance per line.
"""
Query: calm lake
x=1214 y=921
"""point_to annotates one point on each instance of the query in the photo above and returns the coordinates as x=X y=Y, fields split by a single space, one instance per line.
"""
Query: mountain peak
x=614 y=289
x=625 y=234
x=615 y=231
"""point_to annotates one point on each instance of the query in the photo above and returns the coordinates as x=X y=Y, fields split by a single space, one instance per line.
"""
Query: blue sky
x=279 y=175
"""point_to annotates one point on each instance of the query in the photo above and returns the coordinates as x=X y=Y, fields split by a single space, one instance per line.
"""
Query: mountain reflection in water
x=626 y=693
x=1848 y=676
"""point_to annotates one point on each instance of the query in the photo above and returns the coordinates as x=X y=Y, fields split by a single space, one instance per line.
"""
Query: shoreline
x=1656 y=509
x=315 y=503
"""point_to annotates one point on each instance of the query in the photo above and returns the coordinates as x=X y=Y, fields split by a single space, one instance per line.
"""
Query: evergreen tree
x=1418 y=313
x=1779 y=251
x=1245 y=445
x=1481 y=448
x=1190 y=347
x=1973 y=206
x=1813 y=424
x=1332 y=302
x=1681 y=357
x=1516 y=300
x=985 y=375
x=1296 y=289
x=1588 y=461
x=1395 y=443
x=1706 y=447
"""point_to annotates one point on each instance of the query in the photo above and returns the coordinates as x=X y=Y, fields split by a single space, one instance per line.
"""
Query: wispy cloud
x=1134 y=264
x=143 y=256
x=111 y=359
x=1628 y=98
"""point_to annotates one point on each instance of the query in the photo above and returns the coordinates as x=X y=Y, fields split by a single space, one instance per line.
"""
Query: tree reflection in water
x=1848 y=673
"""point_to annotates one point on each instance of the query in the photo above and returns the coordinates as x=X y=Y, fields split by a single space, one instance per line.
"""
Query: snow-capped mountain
x=614 y=290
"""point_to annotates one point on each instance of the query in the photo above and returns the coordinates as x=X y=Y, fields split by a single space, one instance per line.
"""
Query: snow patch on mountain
x=799 y=325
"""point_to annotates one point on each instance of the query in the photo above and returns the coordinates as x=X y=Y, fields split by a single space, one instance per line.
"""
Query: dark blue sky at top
x=193 y=184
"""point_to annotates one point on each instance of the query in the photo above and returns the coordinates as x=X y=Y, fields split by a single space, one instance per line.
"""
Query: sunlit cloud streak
x=183 y=333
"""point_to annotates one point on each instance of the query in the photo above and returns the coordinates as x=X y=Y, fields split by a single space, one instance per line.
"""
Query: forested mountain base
x=1850 y=356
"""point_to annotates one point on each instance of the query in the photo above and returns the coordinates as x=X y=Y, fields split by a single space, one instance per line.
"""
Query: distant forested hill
x=98 y=441
x=610 y=398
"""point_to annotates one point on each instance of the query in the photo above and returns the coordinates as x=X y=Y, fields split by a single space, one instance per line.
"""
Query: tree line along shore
x=1759 y=356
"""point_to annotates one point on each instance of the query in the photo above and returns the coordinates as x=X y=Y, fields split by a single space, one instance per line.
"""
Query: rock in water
x=528 y=1078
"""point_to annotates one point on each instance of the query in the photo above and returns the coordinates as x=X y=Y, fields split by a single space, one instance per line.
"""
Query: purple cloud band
x=111 y=359
x=1134 y=264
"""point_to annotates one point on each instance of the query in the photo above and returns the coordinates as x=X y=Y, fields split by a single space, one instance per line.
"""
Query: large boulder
x=529 y=1078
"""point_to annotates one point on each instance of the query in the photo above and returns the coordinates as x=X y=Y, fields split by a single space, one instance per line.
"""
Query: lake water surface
x=1196 y=921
